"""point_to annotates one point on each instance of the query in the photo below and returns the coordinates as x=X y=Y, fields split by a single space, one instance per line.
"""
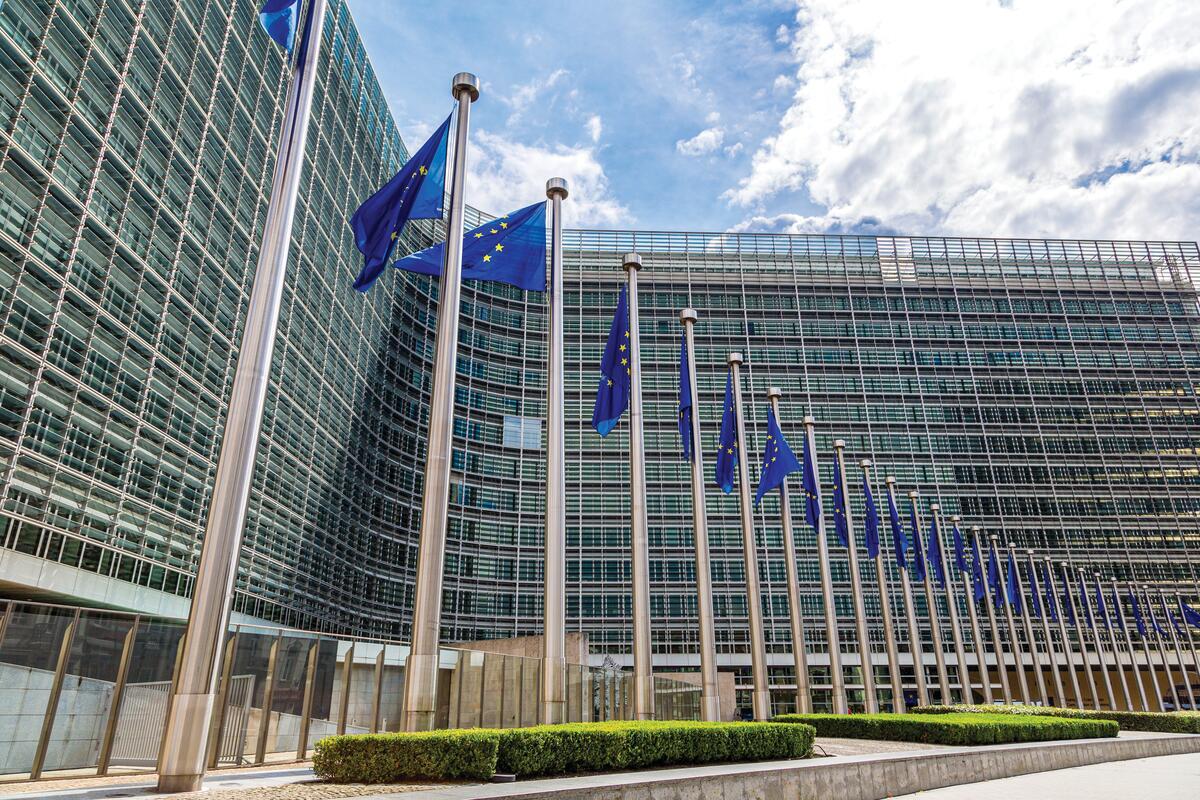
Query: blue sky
x=613 y=85
x=1023 y=118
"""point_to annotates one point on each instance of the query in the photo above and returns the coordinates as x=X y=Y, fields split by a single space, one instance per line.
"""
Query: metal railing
x=87 y=691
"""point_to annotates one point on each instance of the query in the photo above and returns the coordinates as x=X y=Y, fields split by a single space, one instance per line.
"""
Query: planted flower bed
x=953 y=728
x=477 y=754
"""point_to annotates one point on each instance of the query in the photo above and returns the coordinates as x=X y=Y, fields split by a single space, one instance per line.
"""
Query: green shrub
x=1155 y=721
x=397 y=757
x=953 y=729
x=552 y=749
x=613 y=746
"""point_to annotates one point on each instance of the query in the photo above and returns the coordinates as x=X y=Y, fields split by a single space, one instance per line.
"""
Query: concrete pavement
x=1161 y=778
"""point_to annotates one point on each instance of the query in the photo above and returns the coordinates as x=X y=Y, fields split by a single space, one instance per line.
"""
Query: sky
x=1020 y=118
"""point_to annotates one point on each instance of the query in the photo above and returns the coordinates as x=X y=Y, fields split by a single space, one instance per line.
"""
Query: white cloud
x=973 y=117
x=733 y=149
x=524 y=95
x=504 y=175
x=713 y=117
x=594 y=127
x=703 y=143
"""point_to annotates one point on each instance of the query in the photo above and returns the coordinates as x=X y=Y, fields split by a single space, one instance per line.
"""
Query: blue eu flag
x=1068 y=605
x=778 y=459
x=840 y=524
x=1137 y=614
x=915 y=538
x=1154 y=620
x=1048 y=595
x=812 y=489
x=936 y=561
x=871 y=522
x=995 y=581
x=415 y=192
x=899 y=540
x=1191 y=615
x=727 y=445
x=1035 y=602
x=616 y=374
x=278 y=18
x=1087 y=608
x=960 y=549
x=511 y=249
x=1101 y=610
x=1012 y=589
x=977 y=583
x=1175 y=623
x=685 y=399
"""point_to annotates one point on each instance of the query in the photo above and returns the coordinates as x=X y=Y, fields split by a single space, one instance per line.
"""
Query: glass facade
x=1045 y=390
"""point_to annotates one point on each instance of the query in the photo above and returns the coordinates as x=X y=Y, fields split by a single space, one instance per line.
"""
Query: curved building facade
x=1045 y=390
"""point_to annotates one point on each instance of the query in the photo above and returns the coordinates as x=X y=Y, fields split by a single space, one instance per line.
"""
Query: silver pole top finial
x=994 y=537
x=631 y=261
x=687 y=315
x=735 y=358
x=810 y=420
x=914 y=494
x=975 y=529
x=935 y=507
x=839 y=444
x=890 y=480
x=865 y=463
x=465 y=82
x=556 y=186
x=774 y=393
x=1029 y=552
x=955 y=518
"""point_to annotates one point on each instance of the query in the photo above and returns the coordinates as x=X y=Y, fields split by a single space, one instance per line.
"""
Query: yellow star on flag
x=500 y=248
x=487 y=257
x=479 y=236
x=423 y=171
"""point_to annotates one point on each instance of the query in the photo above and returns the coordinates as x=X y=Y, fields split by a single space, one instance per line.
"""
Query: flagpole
x=643 y=669
x=182 y=760
x=1162 y=596
x=916 y=649
x=1079 y=634
x=1027 y=624
x=421 y=668
x=885 y=604
x=1116 y=652
x=1159 y=700
x=994 y=628
x=1068 y=656
x=761 y=694
x=1191 y=642
x=837 y=680
x=866 y=666
x=1014 y=640
x=1133 y=662
x=554 y=661
x=1035 y=589
x=1162 y=649
x=980 y=651
x=795 y=610
x=1095 y=635
x=935 y=623
x=710 y=701
x=964 y=678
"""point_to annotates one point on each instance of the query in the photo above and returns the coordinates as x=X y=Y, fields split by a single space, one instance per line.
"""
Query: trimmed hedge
x=477 y=754
x=398 y=757
x=1153 y=721
x=953 y=729
x=615 y=746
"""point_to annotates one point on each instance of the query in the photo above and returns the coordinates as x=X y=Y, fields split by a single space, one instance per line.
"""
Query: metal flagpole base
x=185 y=748
x=420 y=672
